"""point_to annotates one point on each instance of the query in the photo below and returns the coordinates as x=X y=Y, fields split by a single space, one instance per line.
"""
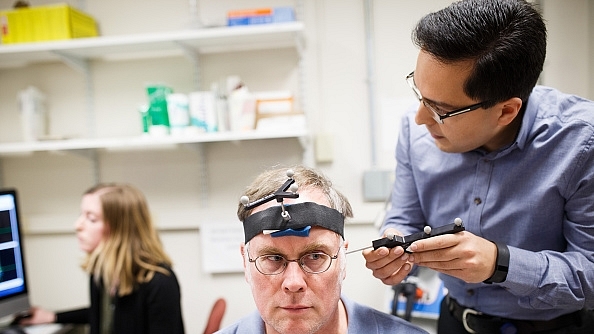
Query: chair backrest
x=216 y=316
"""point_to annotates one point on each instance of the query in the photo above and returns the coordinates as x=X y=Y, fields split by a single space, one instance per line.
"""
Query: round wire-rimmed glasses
x=311 y=263
x=438 y=114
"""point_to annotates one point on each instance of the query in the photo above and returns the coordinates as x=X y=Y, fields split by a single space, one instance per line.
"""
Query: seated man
x=294 y=259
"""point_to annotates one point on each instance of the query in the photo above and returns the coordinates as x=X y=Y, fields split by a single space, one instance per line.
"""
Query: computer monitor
x=14 y=298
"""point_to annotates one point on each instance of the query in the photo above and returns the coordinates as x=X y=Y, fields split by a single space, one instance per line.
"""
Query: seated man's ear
x=346 y=248
x=243 y=254
x=244 y=258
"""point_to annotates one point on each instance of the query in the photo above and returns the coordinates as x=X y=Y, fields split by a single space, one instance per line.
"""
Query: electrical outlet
x=377 y=185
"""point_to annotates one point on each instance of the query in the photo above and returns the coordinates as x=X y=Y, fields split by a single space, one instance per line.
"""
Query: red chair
x=216 y=316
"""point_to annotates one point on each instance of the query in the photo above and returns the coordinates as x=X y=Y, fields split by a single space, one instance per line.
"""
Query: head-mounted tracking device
x=294 y=219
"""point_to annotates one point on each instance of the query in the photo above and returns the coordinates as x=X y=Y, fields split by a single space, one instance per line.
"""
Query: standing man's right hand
x=390 y=265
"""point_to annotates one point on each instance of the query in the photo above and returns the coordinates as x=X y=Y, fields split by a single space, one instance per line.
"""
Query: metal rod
x=358 y=250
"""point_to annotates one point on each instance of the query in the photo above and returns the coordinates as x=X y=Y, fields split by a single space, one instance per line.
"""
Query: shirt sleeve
x=163 y=303
x=78 y=316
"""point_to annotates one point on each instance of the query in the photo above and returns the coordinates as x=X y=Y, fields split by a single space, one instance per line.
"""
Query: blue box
x=260 y=16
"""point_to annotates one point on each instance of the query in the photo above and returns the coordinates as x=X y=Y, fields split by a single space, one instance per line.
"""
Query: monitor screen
x=13 y=286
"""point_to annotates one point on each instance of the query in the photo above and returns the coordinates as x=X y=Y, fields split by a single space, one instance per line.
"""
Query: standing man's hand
x=390 y=265
x=462 y=255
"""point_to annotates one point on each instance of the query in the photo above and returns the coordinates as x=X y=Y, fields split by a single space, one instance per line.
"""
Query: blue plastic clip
x=302 y=232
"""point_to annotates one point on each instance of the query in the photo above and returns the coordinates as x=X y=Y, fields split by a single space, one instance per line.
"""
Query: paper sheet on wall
x=220 y=247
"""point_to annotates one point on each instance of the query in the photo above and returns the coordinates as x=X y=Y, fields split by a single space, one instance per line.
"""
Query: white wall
x=569 y=56
x=336 y=100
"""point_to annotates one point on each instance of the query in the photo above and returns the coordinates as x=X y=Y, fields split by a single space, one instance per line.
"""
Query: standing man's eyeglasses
x=438 y=114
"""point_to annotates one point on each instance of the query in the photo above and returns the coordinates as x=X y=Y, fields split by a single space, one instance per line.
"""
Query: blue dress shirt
x=535 y=195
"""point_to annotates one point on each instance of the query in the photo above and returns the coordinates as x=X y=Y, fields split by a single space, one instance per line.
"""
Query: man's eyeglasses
x=438 y=114
x=311 y=263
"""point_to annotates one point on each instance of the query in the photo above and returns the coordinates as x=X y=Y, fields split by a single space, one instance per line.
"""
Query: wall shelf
x=206 y=40
x=140 y=142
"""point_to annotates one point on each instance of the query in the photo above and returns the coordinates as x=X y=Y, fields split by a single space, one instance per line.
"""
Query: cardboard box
x=45 y=23
x=260 y=16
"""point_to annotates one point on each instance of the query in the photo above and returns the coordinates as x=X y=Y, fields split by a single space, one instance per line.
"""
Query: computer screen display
x=13 y=285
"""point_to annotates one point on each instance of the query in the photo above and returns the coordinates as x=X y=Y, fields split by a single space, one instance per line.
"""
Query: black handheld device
x=428 y=232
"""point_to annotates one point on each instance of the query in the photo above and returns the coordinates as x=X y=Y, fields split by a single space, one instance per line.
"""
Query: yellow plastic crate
x=45 y=23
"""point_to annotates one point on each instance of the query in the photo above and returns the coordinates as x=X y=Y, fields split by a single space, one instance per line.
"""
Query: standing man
x=294 y=259
x=514 y=160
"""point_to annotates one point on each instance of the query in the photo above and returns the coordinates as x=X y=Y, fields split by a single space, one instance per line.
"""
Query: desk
x=51 y=329
x=48 y=329
x=45 y=328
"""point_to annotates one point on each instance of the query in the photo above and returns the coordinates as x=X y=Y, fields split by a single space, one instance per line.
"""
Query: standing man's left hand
x=462 y=255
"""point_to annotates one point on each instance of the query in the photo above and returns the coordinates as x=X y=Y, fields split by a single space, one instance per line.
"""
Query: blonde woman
x=133 y=289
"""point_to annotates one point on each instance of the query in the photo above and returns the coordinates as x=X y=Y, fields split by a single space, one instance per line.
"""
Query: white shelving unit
x=191 y=43
x=77 y=52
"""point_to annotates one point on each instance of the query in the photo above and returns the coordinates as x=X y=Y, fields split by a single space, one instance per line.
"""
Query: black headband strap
x=302 y=215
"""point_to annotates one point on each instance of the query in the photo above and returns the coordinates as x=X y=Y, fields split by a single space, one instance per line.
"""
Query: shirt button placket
x=484 y=168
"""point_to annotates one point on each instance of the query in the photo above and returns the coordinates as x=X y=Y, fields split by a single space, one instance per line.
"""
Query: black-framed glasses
x=311 y=263
x=438 y=114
